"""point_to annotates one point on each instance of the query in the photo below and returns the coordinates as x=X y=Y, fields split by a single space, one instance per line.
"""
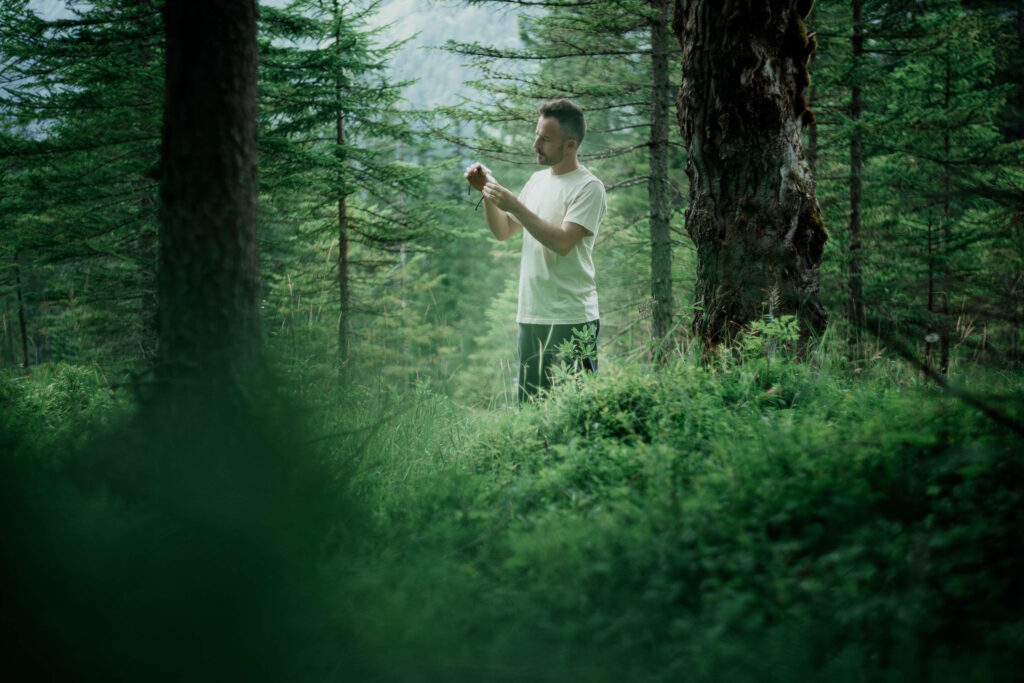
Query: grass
x=763 y=520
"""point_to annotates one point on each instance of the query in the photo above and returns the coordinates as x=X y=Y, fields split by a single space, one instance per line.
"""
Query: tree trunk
x=930 y=337
x=146 y=244
x=1016 y=97
x=752 y=212
x=947 y=224
x=344 y=290
x=21 y=313
x=658 y=188
x=855 y=305
x=345 y=314
x=208 y=280
x=7 y=334
x=812 y=96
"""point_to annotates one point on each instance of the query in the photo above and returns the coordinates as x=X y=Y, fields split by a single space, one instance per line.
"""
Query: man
x=560 y=209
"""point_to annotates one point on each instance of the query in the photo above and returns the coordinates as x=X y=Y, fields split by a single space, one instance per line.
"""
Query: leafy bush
x=704 y=524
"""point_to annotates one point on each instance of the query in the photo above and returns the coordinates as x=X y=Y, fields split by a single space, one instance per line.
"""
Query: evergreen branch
x=44 y=148
x=614 y=152
x=477 y=50
x=629 y=182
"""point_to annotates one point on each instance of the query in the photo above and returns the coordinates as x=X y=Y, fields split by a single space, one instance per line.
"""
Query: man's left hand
x=499 y=196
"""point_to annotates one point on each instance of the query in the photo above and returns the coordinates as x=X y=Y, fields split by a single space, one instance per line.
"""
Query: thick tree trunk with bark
x=752 y=212
x=208 y=279
x=658 y=189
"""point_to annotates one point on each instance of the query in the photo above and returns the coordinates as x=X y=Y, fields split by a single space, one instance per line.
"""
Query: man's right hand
x=478 y=175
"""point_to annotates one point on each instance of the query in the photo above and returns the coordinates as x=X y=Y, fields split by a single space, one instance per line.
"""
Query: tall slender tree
x=332 y=134
x=855 y=303
x=659 y=190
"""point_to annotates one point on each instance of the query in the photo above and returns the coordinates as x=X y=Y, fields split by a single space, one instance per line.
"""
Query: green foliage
x=695 y=523
x=581 y=346
x=203 y=545
x=770 y=335
x=60 y=404
x=656 y=527
x=79 y=133
x=757 y=518
x=937 y=200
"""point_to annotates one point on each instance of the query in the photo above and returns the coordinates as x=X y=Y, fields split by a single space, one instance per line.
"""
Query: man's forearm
x=498 y=221
x=550 y=235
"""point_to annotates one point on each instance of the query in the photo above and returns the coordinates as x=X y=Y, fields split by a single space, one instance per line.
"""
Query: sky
x=441 y=76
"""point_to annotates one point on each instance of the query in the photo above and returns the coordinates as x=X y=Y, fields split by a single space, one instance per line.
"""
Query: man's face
x=549 y=145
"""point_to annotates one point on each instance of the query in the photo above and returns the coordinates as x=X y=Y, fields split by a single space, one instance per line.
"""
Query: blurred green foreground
x=769 y=521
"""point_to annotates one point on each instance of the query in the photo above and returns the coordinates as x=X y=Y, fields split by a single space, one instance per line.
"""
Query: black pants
x=538 y=354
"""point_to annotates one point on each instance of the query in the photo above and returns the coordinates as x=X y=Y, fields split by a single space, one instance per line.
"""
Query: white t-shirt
x=557 y=289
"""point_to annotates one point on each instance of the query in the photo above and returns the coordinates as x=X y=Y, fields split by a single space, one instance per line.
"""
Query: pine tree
x=933 y=179
x=81 y=102
x=943 y=152
x=332 y=147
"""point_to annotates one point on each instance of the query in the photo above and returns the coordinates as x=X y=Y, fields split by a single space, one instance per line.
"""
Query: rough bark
x=208 y=279
x=658 y=188
x=855 y=305
x=752 y=211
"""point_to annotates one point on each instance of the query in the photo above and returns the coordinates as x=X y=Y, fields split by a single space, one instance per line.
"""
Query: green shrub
x=61 y=403
x=705 y=524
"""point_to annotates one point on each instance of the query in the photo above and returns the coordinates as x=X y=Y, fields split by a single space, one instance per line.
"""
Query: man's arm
x=501 y=224
x=558 y=238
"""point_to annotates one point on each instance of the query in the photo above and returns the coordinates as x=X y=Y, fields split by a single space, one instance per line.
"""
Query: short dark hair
x=570 y=118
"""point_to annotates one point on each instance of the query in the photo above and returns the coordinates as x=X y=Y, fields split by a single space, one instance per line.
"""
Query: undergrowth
x=749 y=521
x=754 y=519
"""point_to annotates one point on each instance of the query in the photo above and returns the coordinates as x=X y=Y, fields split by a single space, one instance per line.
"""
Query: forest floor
x=769 y=520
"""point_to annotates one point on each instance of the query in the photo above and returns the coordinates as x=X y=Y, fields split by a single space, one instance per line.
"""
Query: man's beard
x=544 y=160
